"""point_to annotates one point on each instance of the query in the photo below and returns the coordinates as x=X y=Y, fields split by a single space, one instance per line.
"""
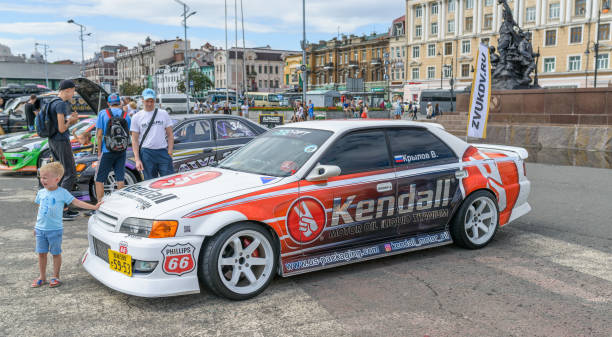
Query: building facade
x=443 y=38
x=356 y=60
x=397 y=55
x=138 y=65
x=264 y=69
x=168 y=77
x=102 y=68
x=292 y=75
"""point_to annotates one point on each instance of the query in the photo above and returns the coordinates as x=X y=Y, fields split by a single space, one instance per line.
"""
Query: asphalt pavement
x=547 y=274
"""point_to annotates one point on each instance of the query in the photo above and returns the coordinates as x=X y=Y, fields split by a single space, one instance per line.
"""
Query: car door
x=359 y=203
x=193 y=145
x=231 y=134
x=427 y=187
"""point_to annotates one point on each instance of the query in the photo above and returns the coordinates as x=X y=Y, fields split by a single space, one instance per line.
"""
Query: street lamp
x=82 y=30
x=45 y=50
x=186 y=15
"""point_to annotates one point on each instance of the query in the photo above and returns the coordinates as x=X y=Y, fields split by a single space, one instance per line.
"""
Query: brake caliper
x=246 y=242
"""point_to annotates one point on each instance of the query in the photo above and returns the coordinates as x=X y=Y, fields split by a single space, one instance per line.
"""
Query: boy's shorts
x=111 y=161
x=49 y=241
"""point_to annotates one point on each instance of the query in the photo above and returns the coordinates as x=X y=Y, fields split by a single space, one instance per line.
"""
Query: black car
x=200 y=141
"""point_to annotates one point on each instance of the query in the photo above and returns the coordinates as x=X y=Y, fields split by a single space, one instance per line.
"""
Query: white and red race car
x=303 y=197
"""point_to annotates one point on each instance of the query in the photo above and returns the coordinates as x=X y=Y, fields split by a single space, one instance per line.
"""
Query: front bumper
x=154 y=284
x=19 y=162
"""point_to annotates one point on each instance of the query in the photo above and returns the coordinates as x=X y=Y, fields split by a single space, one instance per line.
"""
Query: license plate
x=120 y=262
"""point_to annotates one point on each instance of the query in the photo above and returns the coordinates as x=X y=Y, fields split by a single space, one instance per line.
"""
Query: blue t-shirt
x=61 y=107
x=103 y=119
x=310 y=108
x=51 y=208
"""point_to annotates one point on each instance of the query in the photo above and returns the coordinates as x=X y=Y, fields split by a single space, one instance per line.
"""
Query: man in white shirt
x=152 y=138
x=245 y=108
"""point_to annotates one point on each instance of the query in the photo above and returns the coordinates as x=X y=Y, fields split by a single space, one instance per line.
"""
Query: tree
x=201 y=82
x=129 y=89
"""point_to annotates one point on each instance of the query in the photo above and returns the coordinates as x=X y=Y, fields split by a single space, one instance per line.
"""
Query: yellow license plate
x=120 y=262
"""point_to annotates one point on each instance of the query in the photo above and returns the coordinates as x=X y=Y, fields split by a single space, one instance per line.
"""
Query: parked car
x=304 y=197
x=200 y=141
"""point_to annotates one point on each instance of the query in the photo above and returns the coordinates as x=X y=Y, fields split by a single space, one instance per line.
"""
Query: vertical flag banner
x=480 y=96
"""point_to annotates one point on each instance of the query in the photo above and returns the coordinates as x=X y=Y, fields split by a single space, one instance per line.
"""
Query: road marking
x=535 y=276
x=580 y=258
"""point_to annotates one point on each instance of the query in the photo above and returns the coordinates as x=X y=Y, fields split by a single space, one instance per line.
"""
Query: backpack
x=46 y=122
x=116 y=135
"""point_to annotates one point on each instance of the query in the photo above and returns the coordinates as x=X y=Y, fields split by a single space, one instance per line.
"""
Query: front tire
x=476 y=221
x=239 y=262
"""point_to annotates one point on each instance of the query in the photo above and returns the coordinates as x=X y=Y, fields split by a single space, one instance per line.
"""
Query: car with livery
x=28 y=152
x=199 y=141
x=304 y=197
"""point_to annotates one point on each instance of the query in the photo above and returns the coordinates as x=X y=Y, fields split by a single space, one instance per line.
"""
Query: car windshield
x=279 y=152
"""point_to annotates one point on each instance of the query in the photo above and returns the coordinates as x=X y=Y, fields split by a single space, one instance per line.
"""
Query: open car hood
x=94 y=95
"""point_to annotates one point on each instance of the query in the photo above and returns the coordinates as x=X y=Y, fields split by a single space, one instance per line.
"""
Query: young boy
x=49 y=227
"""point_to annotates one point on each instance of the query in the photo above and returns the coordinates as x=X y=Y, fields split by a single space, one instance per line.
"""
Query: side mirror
x=323 y=172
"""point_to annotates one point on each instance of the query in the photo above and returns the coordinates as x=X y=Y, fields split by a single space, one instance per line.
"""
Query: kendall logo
x=385 y=206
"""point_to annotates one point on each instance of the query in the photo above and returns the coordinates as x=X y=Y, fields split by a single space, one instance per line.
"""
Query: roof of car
x=340 y=125
x=181 y=117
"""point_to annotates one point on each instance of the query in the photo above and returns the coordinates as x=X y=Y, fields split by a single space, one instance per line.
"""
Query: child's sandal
x=55 y=283
x=37 y=283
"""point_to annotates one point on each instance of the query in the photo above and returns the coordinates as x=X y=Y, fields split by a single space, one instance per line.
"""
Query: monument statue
x=516 y=61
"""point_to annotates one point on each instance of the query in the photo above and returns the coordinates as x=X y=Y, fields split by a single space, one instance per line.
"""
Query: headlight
x=17 y=149
x=149 y=228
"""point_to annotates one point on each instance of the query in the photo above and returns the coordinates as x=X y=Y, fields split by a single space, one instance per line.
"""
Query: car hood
x=30 y=143
x=176 y=195
x=94 y=95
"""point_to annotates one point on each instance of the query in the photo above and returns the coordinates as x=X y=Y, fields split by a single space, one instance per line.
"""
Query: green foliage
x=201 y=82
x=129 y=89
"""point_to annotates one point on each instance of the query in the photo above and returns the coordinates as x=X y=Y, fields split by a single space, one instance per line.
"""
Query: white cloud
x=37 y=28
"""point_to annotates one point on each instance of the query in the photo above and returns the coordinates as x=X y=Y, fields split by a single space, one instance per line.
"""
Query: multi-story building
x=264 y=69
x=336 y=62
x=397 y=55
x=139 y=64
x=443 y=38
x=292 y=75
x=102 y=68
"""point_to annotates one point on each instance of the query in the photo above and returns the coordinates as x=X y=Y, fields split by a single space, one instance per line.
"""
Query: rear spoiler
x=519 y=151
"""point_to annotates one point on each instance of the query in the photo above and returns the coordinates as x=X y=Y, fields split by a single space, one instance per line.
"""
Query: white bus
x=263 y=99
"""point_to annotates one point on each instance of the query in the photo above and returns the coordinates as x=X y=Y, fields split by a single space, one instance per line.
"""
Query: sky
x=277 y=23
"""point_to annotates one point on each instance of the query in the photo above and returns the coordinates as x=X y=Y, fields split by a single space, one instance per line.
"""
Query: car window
x=194 y=131
x=231 y=128
x=416 y=147
x=359 y=152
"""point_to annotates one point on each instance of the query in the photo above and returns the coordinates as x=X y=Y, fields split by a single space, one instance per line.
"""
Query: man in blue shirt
x=310 y=110
x=109 y=160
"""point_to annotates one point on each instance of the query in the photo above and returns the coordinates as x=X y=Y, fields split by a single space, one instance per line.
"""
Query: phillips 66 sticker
x=178 y=259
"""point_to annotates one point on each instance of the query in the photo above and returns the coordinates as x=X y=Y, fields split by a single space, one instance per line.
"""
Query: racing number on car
x=306 y=220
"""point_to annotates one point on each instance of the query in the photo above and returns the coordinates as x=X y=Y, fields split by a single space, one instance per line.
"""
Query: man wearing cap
x=59 y=143
x=152 y=138
x=108 y=160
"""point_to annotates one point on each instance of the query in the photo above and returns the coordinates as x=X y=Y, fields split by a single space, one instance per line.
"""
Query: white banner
x=481 y=95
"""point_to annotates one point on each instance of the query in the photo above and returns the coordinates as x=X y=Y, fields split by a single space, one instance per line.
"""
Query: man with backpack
x=152 y=138
x=53 y=122
x=112 y=135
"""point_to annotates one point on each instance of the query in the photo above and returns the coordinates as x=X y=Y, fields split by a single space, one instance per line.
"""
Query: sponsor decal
x=410 y=158
x=185 y=179
x=266 y=180
x=179 y=259
x=153 y=196
x=306 y=220
x=84 y=258
x=186 y=229
x=310 y=148
x=353 y=255
x=290 y=132
x=123 y=247
x=195 y=164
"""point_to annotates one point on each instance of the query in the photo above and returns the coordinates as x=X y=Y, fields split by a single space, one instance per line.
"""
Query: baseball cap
x=66 y=84
x=148 y=93
x=114 y=99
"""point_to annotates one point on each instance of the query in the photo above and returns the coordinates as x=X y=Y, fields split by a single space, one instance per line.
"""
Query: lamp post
x=441 y=70
x=45 y=50
x=185 y=55
x=605 y=8
x=304 y=67
x=82 y=30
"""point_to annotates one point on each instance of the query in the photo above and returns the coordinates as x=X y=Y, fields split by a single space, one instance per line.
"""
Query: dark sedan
x=200 y=140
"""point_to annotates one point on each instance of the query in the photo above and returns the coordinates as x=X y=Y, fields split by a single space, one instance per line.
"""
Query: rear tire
x=239 y=262
x=110 y=184
x=476 y=221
